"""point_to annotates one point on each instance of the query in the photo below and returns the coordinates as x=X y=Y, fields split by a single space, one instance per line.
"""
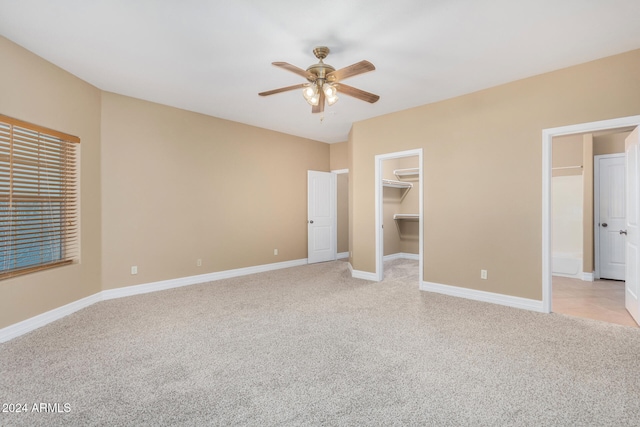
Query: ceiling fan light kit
x=310 y=93
x=330 y=93
x=323 y=81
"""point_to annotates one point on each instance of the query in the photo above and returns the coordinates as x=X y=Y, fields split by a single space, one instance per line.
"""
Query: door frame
x=547 y=139
x=596 y=209
x=379 y=159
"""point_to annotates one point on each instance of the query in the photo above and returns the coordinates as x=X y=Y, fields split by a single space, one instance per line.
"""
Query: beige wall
x=610 y=143
x=482 y=170
x=33 y=90
x=343 y=212
x=391 y=198
x=160 y=188
x=181 y=186
x=566 y=153
x=339 y=160
x=338 y=157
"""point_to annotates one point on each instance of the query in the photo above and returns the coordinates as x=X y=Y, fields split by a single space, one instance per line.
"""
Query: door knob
x=623 y=232
x=311 y=221
x=604 y=224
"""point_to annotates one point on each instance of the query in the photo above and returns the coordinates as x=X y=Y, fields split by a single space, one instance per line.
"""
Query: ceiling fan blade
x=282 y=89
x=350 y=71
x=320 y=107
x=299 y=71
x=357 y=93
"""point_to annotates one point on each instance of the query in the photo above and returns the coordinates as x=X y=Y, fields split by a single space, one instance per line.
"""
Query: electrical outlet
x=134 y=269
x=198 y=262
x=275 y=252
x=483 y=274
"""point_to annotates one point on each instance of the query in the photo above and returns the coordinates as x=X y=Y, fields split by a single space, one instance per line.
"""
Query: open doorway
x=571 y=224
x=399 y=225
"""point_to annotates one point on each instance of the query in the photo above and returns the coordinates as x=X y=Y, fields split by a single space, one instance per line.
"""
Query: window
x=38 y=198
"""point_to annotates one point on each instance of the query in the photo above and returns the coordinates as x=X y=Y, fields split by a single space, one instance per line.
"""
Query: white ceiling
x=214 y=56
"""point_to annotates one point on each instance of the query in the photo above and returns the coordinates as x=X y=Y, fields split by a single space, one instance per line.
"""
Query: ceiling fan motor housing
x=320 y=70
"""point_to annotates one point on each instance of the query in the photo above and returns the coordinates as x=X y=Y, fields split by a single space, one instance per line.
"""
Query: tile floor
x=599 y=300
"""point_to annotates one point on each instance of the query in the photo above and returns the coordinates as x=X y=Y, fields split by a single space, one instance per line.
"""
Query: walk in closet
x=400 y=207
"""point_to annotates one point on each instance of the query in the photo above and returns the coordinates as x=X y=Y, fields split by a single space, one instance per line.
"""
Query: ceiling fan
x=325 y=81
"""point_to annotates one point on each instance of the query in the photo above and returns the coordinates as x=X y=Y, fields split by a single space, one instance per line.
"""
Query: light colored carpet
x=311 y=346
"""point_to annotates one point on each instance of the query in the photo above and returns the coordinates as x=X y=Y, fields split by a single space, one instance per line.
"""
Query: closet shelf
x=396 y=184
x=402 y=173
x=409 y=217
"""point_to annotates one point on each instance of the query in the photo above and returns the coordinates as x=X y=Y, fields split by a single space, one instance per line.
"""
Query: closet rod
x=567 y=167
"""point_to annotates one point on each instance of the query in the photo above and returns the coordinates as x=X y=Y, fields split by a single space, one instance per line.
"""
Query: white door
x=612 y=217
x=322 y=215
x=632 y=285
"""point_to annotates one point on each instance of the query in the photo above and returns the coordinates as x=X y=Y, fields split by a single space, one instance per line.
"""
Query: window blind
x=38 y=198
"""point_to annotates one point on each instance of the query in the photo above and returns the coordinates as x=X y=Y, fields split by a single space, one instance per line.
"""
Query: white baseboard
x=510 y=301
x=342 y=255
x=364 y=275
x=401 y=255
x=201 y=278
x=587 y=277
x=43 y=319
x=28 y=325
